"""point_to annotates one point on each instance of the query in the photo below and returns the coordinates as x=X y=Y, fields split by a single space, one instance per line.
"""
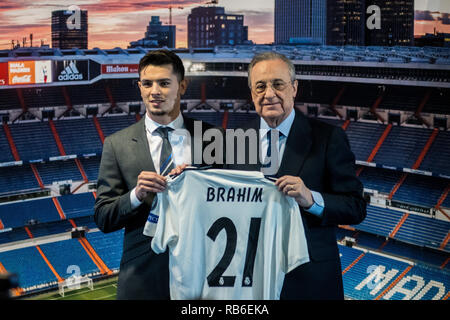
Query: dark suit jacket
x=320 y=155
x=143 y=274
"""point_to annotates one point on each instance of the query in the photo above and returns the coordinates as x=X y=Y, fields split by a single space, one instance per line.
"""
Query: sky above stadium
x=114 y=23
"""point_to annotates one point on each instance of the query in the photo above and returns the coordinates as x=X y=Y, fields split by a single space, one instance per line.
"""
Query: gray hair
x=270 y=55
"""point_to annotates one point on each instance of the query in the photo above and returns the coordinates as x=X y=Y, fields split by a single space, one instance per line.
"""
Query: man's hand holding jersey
x=149 y=181
x=294 y=187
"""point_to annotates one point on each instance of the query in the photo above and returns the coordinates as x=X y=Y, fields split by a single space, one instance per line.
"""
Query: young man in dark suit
x=133 y=167
x=316 y=167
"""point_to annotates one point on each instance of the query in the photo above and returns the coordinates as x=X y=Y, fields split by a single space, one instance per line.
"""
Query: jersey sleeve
x=166 y=229
x=153 y=217
x=160 y=223
x=295 y=247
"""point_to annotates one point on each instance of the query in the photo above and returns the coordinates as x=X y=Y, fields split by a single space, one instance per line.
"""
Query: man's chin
x=158 y=113
x=272 y=115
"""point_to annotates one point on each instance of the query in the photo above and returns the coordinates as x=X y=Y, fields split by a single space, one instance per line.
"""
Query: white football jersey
x=231 y=235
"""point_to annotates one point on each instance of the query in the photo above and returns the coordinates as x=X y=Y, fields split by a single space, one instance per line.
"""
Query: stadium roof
x=315 y=54
x=416 y=66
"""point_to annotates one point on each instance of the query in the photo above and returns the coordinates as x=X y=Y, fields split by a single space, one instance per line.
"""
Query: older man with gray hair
x=316 y=168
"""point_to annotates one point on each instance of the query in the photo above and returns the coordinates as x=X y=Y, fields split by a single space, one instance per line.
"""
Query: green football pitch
x=103 y=290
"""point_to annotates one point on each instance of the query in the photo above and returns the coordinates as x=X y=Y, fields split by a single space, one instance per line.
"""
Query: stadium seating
x=368 y=240
x=436 y=282
x=434 y=258
x=317 y=92
x=342 y=233
x=112 y=124
x=421 y=190
x=239 y=119
x=90 y=166
x=12 y=235
x=416 y=229
x=348 y=255
x=399 y=98
x=34 y=140
x=335 y=122
x=402 y=146
x=363 y=136
x=194 y=90
x=89 y=94
x=41 y=98
x=219 y=88
x=438 y=102
x=85 y=221
x=353 y=278
x=359 y=94
x=123 y=91
x=108 y=246
x=77 y=205
x=6 y=154
x=420 y=282
x=58 y=171
x=22 y=261
x=446 y=202
x=379 y=220
x=212 y=117
x=438 y=156
x=68 y=264
x=424 y=231
x=382 y=180
x=48 y=228
x=9 y=100
x=79 y=136
x=17 y=179
x=18 y=214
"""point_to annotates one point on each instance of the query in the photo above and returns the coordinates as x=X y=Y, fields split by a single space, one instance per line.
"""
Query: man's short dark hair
x=162 y=57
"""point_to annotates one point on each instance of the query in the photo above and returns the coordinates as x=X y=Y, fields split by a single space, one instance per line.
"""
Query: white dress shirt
x=283 y=128
x=181 y=146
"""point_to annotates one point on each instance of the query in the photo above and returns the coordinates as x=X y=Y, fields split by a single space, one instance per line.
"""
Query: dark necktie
x=166 y=163
x=265 y=168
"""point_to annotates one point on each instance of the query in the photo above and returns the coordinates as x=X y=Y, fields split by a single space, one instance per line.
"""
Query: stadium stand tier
x=377 y=276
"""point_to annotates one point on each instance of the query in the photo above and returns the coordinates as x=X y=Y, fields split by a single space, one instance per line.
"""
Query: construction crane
x=170 y=14
x=170 y=9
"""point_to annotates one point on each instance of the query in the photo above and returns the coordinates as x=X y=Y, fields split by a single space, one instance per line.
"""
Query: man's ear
x=295 y=85
x=183 y=86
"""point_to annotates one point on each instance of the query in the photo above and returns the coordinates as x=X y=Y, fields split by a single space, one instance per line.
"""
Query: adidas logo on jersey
x=70 y=73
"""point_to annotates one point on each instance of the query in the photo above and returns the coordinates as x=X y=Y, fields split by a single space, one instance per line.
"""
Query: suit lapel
x=139 y=137
x=142 y=153
x=298 y=145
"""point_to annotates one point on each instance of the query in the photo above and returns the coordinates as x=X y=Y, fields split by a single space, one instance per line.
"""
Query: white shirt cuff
x=134 y=200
